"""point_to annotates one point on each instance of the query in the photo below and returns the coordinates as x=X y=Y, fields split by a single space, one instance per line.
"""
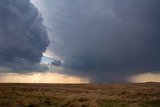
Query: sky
x=89 y=40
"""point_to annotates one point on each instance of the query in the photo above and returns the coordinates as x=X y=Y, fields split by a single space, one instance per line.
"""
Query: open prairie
x=80 y=95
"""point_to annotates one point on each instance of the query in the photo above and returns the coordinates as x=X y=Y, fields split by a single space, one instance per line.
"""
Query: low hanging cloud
x=107 y=40
x=23 y=37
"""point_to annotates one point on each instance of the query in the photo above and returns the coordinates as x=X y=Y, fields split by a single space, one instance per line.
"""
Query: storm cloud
x=107 y=40
x=23 y=37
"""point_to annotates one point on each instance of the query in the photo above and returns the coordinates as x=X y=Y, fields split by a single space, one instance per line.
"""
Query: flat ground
x=80 y=95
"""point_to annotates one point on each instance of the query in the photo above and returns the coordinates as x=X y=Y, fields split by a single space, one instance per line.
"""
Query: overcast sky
x=105 y=40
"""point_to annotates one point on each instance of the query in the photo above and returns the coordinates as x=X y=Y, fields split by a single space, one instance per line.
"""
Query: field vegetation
x=80 y=95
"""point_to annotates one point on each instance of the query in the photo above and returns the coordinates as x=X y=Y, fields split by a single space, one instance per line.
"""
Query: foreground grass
x=80 y=95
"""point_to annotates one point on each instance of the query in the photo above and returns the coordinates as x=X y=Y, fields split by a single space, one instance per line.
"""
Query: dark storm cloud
x=106 y=39
x=23 y=38
x=56 y=63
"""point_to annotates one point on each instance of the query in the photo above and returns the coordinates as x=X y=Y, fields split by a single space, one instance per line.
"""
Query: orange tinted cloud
x=42 y=78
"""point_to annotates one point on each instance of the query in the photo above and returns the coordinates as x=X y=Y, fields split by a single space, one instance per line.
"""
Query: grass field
x=80 y=95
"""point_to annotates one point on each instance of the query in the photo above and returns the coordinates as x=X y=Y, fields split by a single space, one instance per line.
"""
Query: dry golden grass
x=80 y=95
